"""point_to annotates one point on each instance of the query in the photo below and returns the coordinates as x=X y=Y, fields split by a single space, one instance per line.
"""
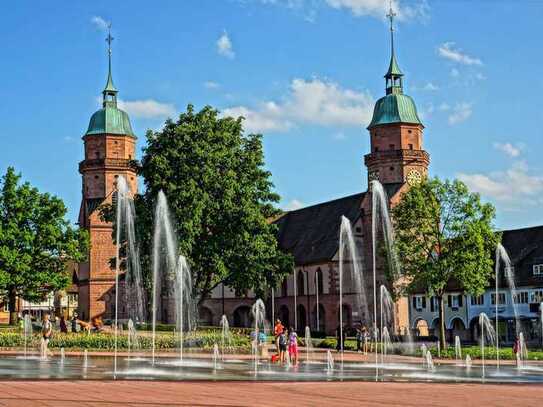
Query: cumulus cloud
x=224 y=46
x=293 y=205
x=211 y=85
x=379 y=8
x=448 y=51
x=460 y=113
x=509 y=149
x=314 y=101
x=516 y=185
x=100 y=23
x=147 y=109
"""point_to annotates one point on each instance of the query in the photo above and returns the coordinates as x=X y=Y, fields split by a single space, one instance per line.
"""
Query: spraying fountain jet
x=226 y=337
x=27 y=330
x=259 y=316
x=185 y=314
x=488 y=333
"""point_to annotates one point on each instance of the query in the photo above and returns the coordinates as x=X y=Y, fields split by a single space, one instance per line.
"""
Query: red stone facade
x=107 y=156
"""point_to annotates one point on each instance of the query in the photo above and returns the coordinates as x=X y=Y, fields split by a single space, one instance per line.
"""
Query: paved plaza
x=150 y=393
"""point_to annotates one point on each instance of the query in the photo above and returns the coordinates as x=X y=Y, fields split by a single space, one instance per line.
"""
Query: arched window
x=242 y=317
x=319 y=318
x=301 y=316
x=300 y=283
x=284 y=316
x=318 y=281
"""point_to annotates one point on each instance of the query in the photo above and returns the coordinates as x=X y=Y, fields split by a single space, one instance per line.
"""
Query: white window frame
x=520 y=297
x=538 y=269
x=536 y=296
x=502 y=299
x=418 y=302
x=478 y=300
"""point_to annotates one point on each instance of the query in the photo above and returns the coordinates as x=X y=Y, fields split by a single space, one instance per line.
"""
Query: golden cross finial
x=391 y=14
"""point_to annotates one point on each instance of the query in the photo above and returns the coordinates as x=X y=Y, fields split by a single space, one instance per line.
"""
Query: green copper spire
x=110 y=119
x=394 y=107
x=109 y=92
x=394 y=74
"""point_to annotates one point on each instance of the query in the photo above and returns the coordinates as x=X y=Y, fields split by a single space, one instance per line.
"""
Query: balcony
x=111 y=163
x=406 y=155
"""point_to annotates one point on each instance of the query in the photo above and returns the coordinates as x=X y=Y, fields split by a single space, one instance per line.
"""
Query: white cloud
x=211 y=85
x=224 y=46
x=339 y=136
x=429 y=86
x=455 y=73
x=293 y=205
x=100 y=23
x=147 y=109
x=460 y=113
x=68 y=139
x=448 y=51
x=379 y=8
x=313 y=101
x=509 y=149
x=515 y=185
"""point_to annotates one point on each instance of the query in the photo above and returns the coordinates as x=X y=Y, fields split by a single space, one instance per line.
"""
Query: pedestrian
x=293 y=346
x=277 y=331
x=74 y=323
x=359 y=338
x=282 y=344
x=46 y=332
x=62 y=325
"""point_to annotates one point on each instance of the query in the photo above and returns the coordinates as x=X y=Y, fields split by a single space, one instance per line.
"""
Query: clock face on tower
x=414 y=177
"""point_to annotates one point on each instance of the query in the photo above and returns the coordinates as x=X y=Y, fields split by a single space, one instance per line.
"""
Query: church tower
x=396 y=132
x=109 y=150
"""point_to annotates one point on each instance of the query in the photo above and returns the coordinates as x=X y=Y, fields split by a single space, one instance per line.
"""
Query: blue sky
x=305 y=73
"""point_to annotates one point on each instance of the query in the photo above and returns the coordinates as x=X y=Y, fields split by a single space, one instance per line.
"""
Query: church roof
x=110 y=120
x=394 y=108
x=311 y=234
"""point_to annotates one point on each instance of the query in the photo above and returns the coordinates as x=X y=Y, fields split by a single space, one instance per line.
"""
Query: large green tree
x=36 y=241
x=221 y=198
x=444 y=233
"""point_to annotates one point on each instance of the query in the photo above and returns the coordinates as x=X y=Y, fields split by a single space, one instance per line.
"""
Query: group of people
x=286 y=342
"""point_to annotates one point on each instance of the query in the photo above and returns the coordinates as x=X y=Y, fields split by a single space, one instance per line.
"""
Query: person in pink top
x=293 y=346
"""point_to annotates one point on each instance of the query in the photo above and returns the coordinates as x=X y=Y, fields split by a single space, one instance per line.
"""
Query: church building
x=310 y=295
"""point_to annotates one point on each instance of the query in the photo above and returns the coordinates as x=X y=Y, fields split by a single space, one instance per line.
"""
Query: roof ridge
x=326 y=202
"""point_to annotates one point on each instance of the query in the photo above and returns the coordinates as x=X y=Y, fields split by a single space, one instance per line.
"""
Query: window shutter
x=423 y=302
x=414 y=302
x=460 y=299
x=449 y=301
x=432 y=304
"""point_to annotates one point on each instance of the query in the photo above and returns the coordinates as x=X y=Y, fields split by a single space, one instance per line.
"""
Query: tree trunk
x=442 y=342
x=12 y=297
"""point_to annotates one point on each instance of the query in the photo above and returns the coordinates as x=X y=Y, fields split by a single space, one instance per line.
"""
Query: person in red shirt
x=277 y=331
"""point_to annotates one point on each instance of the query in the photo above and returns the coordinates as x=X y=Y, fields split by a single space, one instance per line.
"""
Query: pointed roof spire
x=110 y=88
x=393 y=68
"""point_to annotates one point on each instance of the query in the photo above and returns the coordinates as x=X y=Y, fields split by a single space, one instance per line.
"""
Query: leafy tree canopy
x=444 y=233
x=36 y=242
x=221 y=198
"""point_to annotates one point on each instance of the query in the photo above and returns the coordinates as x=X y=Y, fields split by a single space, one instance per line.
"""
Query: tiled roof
x=311 y=234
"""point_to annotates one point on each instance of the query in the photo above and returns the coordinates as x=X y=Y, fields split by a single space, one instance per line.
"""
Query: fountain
x=488 y=332
x=385 y=344
x=329 y=362
x=132 y=337
x=164 y=259
x=503 y=257
x=226 y=337
x=457 y=349
x=183 y=301
x=27 y=331
x=468 y=362
x=85 y=359
x=135 y=297
x=308 y=344
x=349 y=256
x=429 y=362
x=216 y=356
x=258 y=311
x=522 y=354
x=387 y=310
x=380 y=213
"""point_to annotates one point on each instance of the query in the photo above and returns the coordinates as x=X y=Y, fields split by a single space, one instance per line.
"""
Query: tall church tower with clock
x=396 y=132
x=109 y=153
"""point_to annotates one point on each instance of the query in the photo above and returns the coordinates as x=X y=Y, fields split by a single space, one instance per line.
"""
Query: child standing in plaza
x=293 y=346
